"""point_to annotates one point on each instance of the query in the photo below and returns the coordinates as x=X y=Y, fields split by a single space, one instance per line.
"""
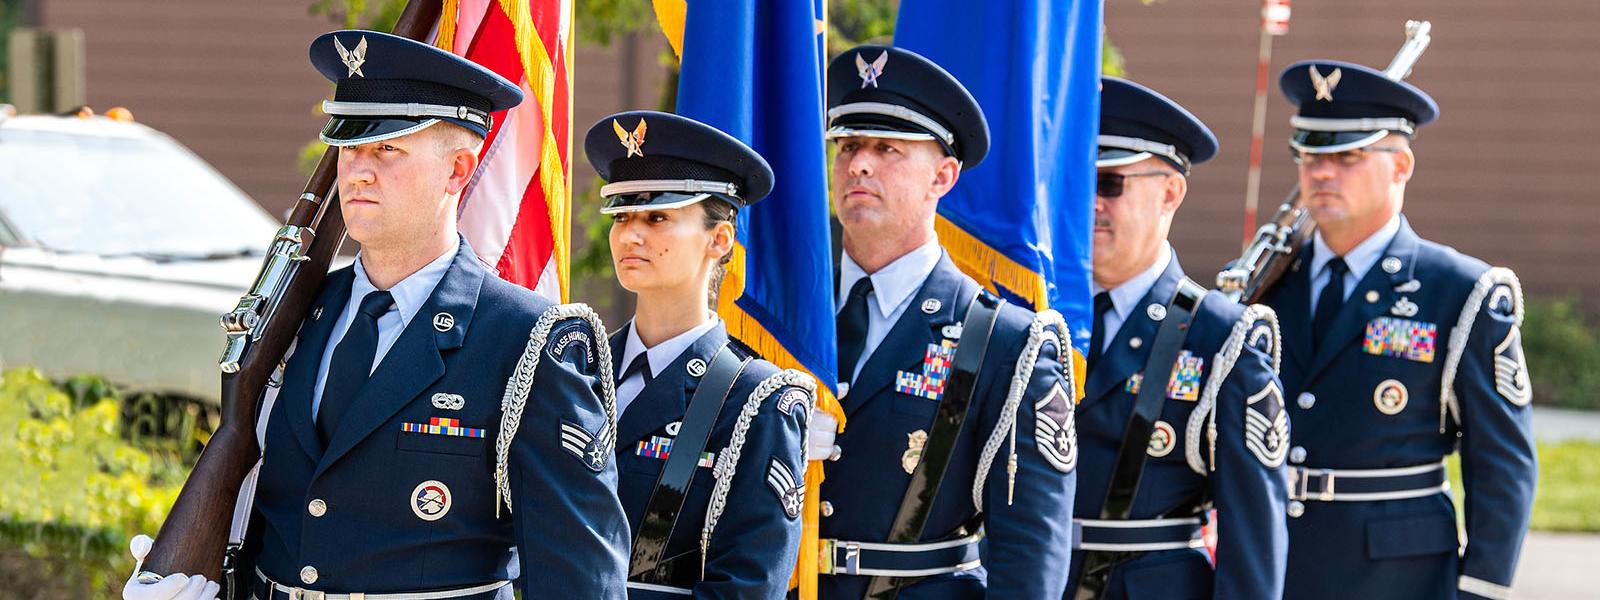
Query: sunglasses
x=1347 y=158
x=1110 y=185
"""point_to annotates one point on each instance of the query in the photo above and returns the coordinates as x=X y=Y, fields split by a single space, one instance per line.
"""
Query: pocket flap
x=1395 y=537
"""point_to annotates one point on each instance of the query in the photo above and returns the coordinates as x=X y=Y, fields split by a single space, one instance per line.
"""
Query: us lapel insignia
x=632 y=141
x=931 y=305
x=1185 y=381
x=1511 y=369
x=1401 y=338
x=1390 y=397
x=1403 y=307
x=790 y=494
x=1162 y=440
x=1391 y=265
x=1266 y=425
x=869 y=73
x=1324 y=85
x=443 y=426
x=1054 y=429
x=913 y=454
x=696 y=367
x=443 y=322
x=443 y=401
x=352 y=59
x=1156 y=312
x=586 y=446
x=935 y=373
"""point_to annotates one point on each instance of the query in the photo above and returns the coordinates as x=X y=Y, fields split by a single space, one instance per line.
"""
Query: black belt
x=924 y=486
x=1366 y=485
x=672 y=486
x=1143 y=535
x=842 y=557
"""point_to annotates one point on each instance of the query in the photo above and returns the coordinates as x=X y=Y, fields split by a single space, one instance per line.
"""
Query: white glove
x=176 y=586
x=823 y=430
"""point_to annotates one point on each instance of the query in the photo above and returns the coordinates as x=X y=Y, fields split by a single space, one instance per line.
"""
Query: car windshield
x=122 y=195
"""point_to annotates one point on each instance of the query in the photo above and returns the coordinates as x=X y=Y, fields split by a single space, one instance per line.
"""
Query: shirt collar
x=895 y=282
x=1361 y=258
x=1125 y=296
x=665 y=352
x=413 y=291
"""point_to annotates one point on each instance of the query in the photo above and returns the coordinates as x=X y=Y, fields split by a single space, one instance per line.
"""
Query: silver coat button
x=1297 y=455
x=317 y=508
x=1306 y=400
x=1296 y=508
x=308 y=575
x=826 y=508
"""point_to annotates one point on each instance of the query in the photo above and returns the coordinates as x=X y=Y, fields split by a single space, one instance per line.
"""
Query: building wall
x=1505 y=173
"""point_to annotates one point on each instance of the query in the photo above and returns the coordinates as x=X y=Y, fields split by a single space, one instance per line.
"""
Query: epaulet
x=1047 y=326
x=520 y=384
x=1501 y=282
x=1258 y=323
x=728 y=459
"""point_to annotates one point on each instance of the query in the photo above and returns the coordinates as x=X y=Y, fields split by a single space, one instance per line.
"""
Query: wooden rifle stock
x=194 y=538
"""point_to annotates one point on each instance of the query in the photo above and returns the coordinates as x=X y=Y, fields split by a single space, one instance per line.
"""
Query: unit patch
x=1185 y=381
x=1266 y=425
x=935 y=373
x=1390 y=397
x=573 y=336
x=792 y=398
x=1401 y=338
x=790 y=494
x=442 y=426
x=1055 y=432
x=430 y=501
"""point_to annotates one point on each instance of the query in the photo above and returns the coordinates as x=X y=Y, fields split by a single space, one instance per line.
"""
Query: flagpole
x=1274 y=22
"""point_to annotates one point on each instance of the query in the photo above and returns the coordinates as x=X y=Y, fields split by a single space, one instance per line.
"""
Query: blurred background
x=125 y=233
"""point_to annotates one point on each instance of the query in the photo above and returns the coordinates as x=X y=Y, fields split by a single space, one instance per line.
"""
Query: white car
x=119 y=250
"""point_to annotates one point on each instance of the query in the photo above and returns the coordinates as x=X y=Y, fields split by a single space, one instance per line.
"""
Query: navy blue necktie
x=1330 y=301
x=851 y=328
x=640 y=365
x=1097 y=337
x=352 y=363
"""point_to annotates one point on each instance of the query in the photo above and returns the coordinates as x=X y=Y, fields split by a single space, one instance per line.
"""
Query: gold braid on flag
x=750 y=331
x=992 y=268
x=446 y=40
x=672 y=14
x=540 y=73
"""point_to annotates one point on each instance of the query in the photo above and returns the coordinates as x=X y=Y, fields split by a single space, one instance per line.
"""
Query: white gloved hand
x=823 y=428
x=176 y=586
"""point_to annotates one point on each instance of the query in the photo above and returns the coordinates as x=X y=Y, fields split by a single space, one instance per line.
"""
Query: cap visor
x=347 y=131
x=1325 y=142
x=1117 y=157
x=628 y=203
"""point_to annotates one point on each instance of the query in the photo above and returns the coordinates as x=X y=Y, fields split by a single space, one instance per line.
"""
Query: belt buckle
x=1327 y=486
x=305 y=594
x=1300 y=487
x=852 y=557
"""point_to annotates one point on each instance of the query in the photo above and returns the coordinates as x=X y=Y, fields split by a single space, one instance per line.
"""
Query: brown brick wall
x=1506 y=172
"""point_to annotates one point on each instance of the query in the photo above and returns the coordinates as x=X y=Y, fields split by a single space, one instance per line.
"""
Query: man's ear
x=945 y=175
x=1405 y=164
x=1176 y=188
x=463 y=162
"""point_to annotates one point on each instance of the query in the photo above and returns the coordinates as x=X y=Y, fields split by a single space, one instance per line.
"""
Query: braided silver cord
x=1205 y=412
x=728 y=459
x=1463 y=330
x=1039 y=332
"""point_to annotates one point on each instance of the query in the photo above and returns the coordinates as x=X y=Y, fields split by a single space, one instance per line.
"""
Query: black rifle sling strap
x=924 y=487
x=672 y=486
x=1097 y=564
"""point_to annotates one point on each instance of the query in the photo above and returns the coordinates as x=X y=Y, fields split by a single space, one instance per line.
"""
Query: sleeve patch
x=584 y=446
x=1511 y=369
x=1055 y=431
x=781 y=480
x=1266 y=425
x=572 y=337
x=792 y=398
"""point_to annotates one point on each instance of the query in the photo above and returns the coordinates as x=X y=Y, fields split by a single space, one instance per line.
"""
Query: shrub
x=1563 y=351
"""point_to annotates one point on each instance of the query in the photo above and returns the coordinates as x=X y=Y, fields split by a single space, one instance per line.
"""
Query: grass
x=1569 y=484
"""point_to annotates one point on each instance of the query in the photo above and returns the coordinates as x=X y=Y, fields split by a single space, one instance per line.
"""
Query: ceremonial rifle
x=1278 y=243
x=194 y=538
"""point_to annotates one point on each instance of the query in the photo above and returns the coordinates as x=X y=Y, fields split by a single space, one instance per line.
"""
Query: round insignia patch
x=1162 y=440
x=697 y=367
x=931 y=305
x=431 y=500
x=1156 y=312
x=443 y=322
x=1390 y=397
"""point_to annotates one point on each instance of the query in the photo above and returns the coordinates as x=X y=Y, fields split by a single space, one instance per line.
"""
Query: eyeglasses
x=1347 y=158
x=1109 y=185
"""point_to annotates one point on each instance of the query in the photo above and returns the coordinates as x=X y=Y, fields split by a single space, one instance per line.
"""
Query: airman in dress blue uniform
x=960 y=413
x=1399 y=351
x=711 y=440
x=437 y=429
x=1215 y=423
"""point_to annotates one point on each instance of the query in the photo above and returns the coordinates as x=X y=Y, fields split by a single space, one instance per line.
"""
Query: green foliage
x=1562 y=347
x=855 y=22
x=10 y=15
x=1569 y=480
x=86 y=490
x=603 y=21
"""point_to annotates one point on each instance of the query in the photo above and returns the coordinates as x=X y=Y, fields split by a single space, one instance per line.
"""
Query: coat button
x=1297 y=455
x=1306 y=400
x=1296 y=508
x=308 y=575
x=836 y=453
x=317 y=508
x=826 y=508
